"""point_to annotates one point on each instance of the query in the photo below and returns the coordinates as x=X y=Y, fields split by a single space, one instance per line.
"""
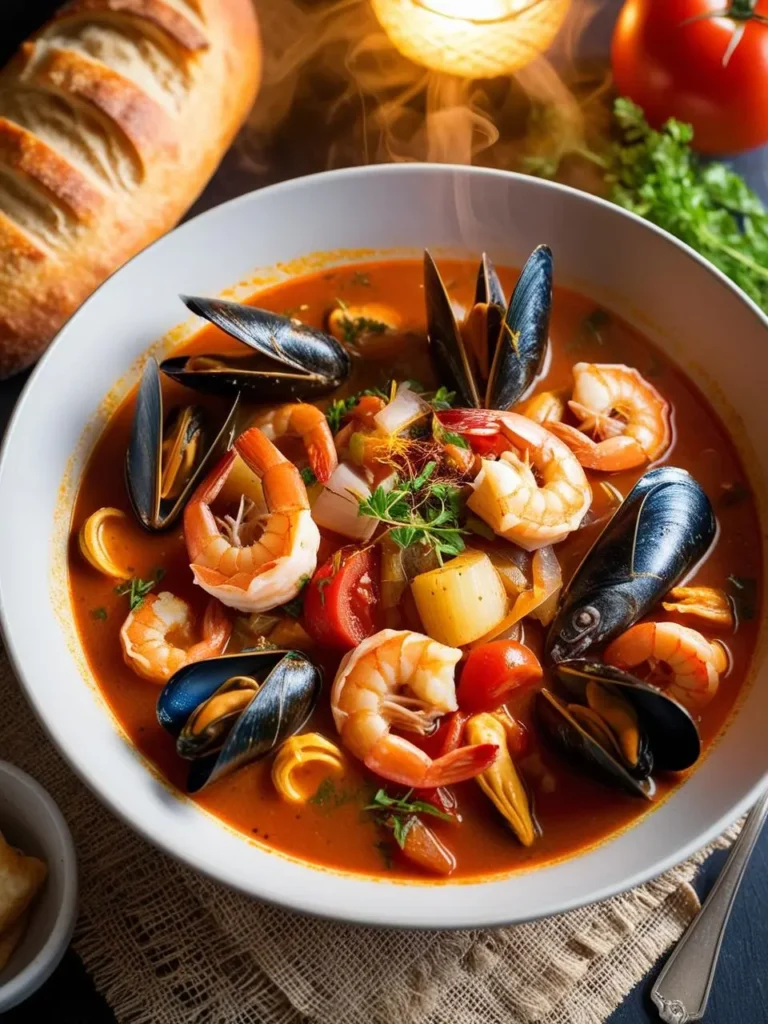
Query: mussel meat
x=285 y=358
x=660 y=531
x=494 y=357
x=557 y=721
x=618 y=726
x=228 y=712
x=168 y=455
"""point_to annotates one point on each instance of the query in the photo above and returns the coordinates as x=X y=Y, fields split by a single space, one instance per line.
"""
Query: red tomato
x=446 y=738
x=492 y=672
x=674 y=58
x=341 y=606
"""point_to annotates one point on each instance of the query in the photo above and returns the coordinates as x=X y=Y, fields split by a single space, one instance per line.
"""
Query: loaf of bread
x=112 y=119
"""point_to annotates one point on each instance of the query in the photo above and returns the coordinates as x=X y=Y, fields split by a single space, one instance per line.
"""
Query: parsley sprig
x=354 y=327
x=137 y=589
x=419 y=511
x=400 y=813
x=656 y=175
x=339 y=408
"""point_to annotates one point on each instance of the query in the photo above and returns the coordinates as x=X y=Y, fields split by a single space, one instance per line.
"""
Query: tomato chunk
x=343 y=598
x=492 y=672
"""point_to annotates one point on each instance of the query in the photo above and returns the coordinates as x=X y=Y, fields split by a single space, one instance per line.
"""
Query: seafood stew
x=358 y=623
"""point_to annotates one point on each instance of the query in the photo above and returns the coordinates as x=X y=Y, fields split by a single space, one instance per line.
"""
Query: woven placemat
x=167 y=946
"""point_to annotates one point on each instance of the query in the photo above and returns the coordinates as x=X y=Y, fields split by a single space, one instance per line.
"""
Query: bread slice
x=112 y=119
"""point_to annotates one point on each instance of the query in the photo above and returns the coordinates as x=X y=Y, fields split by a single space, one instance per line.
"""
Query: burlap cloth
x=166 y=946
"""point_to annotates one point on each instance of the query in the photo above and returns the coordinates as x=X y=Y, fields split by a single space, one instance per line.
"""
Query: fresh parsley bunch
x=656 y=175
x=419 y=511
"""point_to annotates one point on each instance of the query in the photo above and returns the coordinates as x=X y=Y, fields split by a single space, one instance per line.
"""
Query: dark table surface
x=740 y=992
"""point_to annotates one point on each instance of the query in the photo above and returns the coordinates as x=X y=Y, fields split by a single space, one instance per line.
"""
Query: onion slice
x=405 y=408
x=547 y=581
x=337 y=507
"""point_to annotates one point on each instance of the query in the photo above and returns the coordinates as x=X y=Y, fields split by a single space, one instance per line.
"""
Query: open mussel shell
x=661 y=530
x=287 y=359
x=453 y=362
x=669 y=731
x=228 y=712
x=579 y=745
x=507 y=343
x=168 y=455
x=486 y=317
x=523 y=338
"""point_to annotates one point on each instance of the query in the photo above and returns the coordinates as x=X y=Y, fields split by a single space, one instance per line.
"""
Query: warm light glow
x=471 y=38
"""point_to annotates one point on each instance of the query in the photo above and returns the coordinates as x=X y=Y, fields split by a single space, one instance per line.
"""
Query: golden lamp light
x=471 y=38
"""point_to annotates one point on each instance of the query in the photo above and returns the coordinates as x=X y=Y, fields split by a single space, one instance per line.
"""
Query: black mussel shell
x=157 y=505
x=516 y=336
x=672 y=735
x=449 y=354
x=287 y=359
x=489 y=296
x=523 y=339
x=289 y=688
x=663 y=527
x=578 y=745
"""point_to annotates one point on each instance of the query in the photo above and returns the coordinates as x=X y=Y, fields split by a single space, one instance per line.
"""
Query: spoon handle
x=682 y=989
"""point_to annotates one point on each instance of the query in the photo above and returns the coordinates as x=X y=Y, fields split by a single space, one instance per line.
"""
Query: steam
x=336 y=92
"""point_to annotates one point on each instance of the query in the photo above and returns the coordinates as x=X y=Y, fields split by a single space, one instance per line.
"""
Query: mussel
x=660 y=531
x=616 y=726
x=230 y=711
x=493 y=358
x=285 y=359
x=167 y=455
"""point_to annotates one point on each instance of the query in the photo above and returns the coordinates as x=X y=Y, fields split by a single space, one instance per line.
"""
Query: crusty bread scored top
x=112 y=119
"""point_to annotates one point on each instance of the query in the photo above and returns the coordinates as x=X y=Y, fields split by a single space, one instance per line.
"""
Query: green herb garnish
x=744 y=596
x=137 y=589
x=338 y=409
x=419 y=512
x=329 y=796
x=352 y=328
x=656 y=175
x=308 y=476
x=361 y=279
x=99 y=613
x=400 y=813
x=442 y=399
x=444 y=436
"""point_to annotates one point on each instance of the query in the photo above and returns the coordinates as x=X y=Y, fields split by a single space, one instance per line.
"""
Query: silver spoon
x=682 y=989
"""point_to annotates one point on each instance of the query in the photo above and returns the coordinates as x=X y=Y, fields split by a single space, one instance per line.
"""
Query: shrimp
x=627 y=416
x=156 y=637
x=298 y=419
x=253 y=575
x=367 y=702
x=695 y=663
x=508 y=495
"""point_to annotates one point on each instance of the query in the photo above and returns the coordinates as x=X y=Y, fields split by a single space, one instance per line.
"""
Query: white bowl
x=706 y=325
x=30 y=820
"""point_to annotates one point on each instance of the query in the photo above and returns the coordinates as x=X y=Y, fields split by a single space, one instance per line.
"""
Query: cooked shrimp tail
x=398 y=760
x=694 y=664
x=307 y=422
x=532 y=509
x=145 y=636
x=628 y=418
x=249 y=563
x=367 y=701
x=612 y=455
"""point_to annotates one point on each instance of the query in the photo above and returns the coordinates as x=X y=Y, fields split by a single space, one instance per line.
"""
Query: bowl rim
x=351 y=912
x=31 y=977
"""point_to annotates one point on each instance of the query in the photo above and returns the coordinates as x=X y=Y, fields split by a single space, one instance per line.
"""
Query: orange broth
x=333 y=829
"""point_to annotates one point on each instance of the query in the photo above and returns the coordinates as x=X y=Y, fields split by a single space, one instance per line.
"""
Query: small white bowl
x=30 y=820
